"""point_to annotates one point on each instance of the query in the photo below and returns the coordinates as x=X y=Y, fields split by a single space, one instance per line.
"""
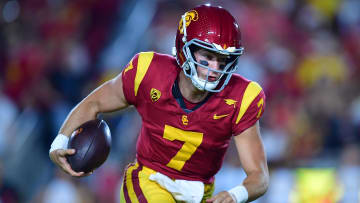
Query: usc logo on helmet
x=189 y=16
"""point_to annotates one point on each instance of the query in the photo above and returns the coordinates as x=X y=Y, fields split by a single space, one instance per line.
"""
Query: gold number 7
x=192 y=141
x=260 y=105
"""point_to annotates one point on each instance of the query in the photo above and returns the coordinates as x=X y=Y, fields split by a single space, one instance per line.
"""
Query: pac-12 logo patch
x=155 y=94
x=189 y=16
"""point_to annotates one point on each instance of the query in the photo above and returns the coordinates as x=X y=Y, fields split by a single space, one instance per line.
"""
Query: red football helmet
x=214 y=29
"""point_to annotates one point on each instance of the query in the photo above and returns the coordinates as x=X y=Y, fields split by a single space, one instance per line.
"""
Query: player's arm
x=252 y=157
x=253 y=160
x=106 y=98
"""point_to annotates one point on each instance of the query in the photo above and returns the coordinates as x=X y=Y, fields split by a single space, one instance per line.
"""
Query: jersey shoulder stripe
x=251 y=92
x=143 y=64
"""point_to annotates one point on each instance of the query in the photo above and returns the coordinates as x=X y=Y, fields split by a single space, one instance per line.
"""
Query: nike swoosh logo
x=220 y=116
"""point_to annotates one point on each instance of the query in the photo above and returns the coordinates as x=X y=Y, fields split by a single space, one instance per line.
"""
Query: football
x=92 y=142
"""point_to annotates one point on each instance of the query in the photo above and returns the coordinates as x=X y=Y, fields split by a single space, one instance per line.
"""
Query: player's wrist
x=60 y=142
x=239 y=194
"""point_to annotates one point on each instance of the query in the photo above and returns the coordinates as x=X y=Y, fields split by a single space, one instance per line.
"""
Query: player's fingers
x=57 y=155
x=66 y=152
x=213 y=199
x=70 y=151
x=223 y=201
x=227 y=199
x=87 y=174
x=210 y=200
x=66 y=166
x=219 y=200
x=222 y=197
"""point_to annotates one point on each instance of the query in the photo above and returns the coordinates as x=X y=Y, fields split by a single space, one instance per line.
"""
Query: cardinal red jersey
x=181 y=144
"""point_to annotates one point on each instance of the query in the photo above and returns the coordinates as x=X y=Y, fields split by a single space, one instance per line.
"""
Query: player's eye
x=209 y=57
x=205 y=63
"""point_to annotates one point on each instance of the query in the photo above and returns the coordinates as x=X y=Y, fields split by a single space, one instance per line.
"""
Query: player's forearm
x=108 y=97
x=256 y=184
x=84 y=111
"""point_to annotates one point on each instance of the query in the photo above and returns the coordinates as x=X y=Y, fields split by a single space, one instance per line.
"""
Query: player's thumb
x=70 y=151
x=210 y=200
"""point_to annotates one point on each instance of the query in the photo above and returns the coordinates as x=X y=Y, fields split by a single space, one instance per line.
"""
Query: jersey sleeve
x=251 y=108
x=128 y=78
x=133 y=75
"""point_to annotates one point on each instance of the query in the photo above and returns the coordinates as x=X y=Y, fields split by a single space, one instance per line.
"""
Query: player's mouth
x=212 y=78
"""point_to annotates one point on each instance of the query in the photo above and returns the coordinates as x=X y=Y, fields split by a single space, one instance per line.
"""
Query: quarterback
x=191 y=104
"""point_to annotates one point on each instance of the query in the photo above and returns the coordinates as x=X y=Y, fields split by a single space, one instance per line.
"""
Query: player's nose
x=215 y=65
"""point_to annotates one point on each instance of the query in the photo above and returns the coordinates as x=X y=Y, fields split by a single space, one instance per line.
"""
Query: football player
x=191 y=106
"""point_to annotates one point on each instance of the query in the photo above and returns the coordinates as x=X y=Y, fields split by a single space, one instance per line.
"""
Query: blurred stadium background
x=304 y=53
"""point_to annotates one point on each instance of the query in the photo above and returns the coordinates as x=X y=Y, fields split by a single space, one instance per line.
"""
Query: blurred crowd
x=304 y=53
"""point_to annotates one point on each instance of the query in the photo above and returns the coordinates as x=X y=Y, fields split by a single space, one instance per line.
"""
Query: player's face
x=212 y=60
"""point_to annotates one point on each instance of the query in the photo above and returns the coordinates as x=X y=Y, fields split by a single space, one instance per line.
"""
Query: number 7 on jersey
x=192 y=141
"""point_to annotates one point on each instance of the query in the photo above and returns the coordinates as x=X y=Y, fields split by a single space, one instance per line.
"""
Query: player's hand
x=59 y=158
x=221 y=197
